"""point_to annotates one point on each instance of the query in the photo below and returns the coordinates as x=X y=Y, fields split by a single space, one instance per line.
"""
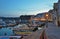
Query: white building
x=2 y=23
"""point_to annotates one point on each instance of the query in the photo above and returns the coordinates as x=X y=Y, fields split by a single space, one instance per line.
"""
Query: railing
x=11 y=37
x=43 y=35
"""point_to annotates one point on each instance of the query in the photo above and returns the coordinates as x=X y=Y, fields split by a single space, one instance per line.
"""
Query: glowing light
x=47 y=15
x=43 y=19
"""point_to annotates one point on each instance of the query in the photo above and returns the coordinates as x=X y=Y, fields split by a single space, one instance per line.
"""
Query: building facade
x=57 y=10
x=42 y=18
x=26 y=19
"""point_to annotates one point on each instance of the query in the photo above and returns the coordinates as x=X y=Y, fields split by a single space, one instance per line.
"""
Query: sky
x=15 y=8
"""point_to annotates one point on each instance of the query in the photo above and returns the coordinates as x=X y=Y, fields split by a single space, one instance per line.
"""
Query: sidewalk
x=34 y=35
x=51 y=25
x=53 y=33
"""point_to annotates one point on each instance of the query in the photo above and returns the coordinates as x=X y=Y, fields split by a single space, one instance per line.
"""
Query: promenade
x=34 y=35
x=52 y=32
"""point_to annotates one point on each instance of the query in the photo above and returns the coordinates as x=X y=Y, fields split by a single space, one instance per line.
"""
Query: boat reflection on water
x=6 y=32
x=21 y=29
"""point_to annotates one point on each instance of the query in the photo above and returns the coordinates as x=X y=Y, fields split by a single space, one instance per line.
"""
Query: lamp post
x=47 y=19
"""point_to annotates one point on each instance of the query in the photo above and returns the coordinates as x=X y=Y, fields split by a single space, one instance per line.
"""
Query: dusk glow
x=24 y=7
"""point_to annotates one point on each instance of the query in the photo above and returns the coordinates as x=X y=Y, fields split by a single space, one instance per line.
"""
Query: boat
x=23 y=30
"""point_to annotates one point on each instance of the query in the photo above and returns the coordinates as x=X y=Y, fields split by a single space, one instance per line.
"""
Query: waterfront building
x=54 y=15
x=36 y=20
x=41 y=18
x=26 y=19
x=57 y=10
x=2 y=23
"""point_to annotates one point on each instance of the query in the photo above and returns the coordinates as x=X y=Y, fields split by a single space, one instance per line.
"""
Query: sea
x=7 y=31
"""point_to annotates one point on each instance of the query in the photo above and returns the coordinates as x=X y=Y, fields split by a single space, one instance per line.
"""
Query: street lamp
x=47 y=16
x=47 y=19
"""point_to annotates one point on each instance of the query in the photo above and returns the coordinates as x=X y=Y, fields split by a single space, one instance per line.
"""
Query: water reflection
x=6 y=32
